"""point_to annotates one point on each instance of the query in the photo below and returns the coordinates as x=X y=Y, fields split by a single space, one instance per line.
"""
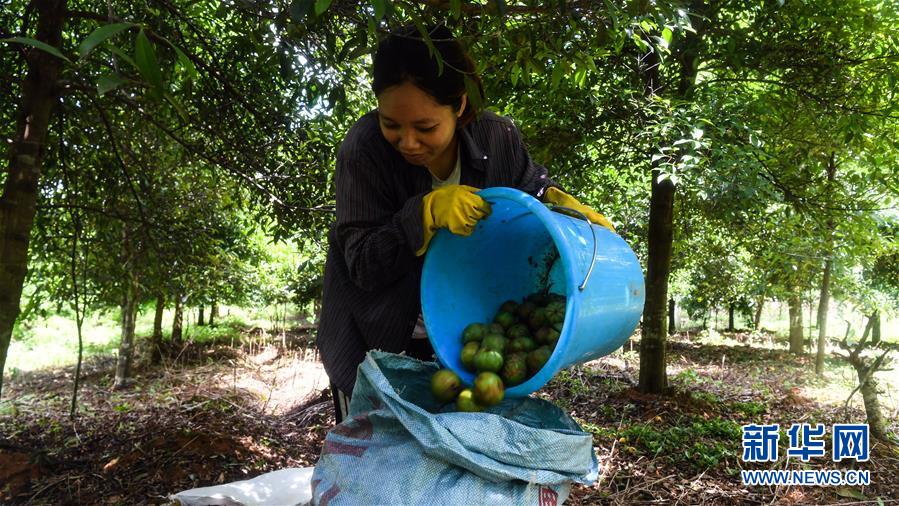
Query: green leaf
x=667 y=34
x=124 y=56
x=99 y=35
x=109 y=82
x=456 y=8
x=321 y=6
x=145 y=57
x=432 y=51
x=474 y=95
x=43 y=46
x=300 y=9
x=380 y=8
x=177 y=105
x=186 y=64
x=850 y=493
x=558 y=72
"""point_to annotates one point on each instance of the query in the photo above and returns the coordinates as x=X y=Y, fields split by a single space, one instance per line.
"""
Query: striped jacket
x=372 y=279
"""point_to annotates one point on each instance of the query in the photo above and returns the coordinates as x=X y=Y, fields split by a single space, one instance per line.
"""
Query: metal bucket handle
x=577 y=214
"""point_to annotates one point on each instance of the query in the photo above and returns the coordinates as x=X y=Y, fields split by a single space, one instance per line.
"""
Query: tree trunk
x=869 y=389
x=797 y=340
x=201 y=320
x=126 y=345
x=19 y=197
x=825 y=281
x=156 y=339
x=213 y=313
x=178 y=321
x=730 y=318
x=671 y=327
x=811 y=324
x=759 y=305
x=875 y=328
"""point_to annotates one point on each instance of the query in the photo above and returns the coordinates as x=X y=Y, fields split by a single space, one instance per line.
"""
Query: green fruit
x=558 y=327
x=506 y=319
x=515 y=369
x=465 y=402
x=474 y=332
x=495 y=342
x=537 y=319
x=468 y=353
x=524 y=344
x=495 y=328
x=518 y=330
x=524 y=310
x=445 y=385
x=509 y=306
x=488 y=360
x=555 y=312
x=541 y=335
x=488 y=389
x=538 y=358
x=552 y=337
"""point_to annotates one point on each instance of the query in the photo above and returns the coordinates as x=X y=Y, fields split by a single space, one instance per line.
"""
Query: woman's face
x=415 y=124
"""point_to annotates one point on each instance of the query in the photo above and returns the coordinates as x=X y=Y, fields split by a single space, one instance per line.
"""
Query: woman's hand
x=556 y=196
x=454 y=207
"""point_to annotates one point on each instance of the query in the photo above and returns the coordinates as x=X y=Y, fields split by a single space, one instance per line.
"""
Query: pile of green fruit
x=505 y=352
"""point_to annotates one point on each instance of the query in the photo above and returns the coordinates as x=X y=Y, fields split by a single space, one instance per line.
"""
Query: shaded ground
x=220 y=414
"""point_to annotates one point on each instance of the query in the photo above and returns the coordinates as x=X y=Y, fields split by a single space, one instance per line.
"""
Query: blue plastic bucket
x=521 y=248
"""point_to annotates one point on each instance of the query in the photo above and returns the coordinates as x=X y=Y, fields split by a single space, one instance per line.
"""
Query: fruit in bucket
x=488 y=360
x=474 y=332
x=505 y=352
x=468 y=353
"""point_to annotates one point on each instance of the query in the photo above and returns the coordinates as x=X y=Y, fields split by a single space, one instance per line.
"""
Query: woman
x=404 y=171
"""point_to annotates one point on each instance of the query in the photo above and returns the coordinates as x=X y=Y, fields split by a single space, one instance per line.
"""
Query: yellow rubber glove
x=455 y=207
x=556 y=196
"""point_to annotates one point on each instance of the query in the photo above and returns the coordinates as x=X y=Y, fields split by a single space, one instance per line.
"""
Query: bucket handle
x=577 y=214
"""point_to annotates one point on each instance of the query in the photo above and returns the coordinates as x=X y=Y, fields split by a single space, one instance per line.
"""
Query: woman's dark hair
x=404 y=56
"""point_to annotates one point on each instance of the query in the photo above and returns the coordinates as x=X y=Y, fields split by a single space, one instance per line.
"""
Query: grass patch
x=701 y=445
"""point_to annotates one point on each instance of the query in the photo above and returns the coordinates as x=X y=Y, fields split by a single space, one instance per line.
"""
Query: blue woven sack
x=400 y=446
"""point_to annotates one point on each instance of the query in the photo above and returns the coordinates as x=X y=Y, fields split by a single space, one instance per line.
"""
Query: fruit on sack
x=488 y=360
x=515 y=369
x=495 y=342
x=468 y=353
x=445 y=385
x=488 y=389
x=538 y=358
x=506 y=319
x=474 y=332
x=465 y=402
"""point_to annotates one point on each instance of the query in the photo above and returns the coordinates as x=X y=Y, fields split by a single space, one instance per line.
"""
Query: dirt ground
x=220 y=414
